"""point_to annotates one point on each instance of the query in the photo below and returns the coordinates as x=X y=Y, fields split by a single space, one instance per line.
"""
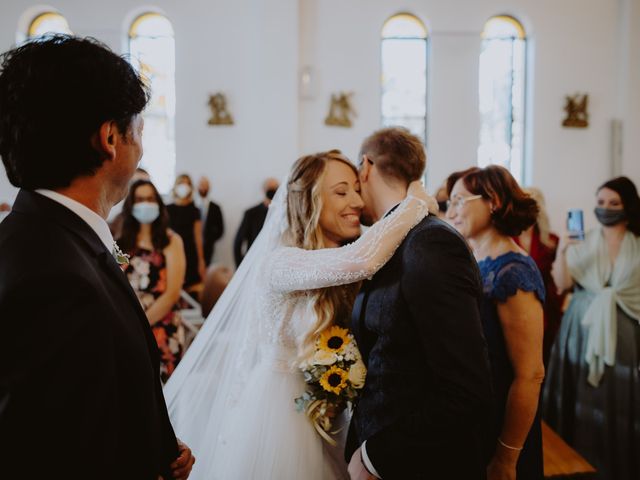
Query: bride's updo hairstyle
x=304 y=205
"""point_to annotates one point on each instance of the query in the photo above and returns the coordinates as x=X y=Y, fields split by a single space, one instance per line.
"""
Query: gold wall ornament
x=576 y=108
x=219 y=113
x=340 y=110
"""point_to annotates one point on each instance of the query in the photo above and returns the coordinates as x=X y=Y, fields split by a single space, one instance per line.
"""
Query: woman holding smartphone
x=592 y=394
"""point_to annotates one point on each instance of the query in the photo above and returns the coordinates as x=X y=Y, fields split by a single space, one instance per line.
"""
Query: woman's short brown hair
x=513 y=209
x=397 y=153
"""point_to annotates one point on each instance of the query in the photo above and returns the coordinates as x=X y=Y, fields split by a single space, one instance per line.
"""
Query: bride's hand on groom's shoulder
x=181 y=467
x=416 y=189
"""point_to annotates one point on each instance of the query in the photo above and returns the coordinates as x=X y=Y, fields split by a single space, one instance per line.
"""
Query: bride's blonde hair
x=304 y=205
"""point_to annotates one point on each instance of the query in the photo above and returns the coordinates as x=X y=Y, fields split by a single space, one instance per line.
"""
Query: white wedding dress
x=231 y=398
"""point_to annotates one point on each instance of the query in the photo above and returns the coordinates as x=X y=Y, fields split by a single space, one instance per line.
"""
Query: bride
x=231 y=399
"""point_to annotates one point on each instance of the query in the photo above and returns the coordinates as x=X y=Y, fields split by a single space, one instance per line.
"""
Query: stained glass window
x=404 y=74
x=502 y=95
x=48 y=22
x=152 y=53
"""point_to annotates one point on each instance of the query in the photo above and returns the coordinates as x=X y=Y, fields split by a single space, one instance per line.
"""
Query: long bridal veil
x=211 y=376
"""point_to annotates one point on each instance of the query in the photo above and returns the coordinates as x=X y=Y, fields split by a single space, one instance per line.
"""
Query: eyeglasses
x=361 y=162
x=460 y=201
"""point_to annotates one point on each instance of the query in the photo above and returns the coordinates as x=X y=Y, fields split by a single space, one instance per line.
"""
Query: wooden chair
x=560 y=460
x=191 y=318
x=215 y=281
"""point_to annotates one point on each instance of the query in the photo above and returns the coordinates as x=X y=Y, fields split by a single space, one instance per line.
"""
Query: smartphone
x=575 y=224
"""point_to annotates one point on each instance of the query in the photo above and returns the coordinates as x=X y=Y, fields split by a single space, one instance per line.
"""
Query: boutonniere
x=120 y=257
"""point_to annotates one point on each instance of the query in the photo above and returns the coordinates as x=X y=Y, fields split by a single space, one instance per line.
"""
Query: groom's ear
x=105 y=138
x=365 y=169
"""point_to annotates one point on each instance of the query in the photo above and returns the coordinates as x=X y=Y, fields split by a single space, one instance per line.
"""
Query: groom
x=80 y=392
x=428 y=387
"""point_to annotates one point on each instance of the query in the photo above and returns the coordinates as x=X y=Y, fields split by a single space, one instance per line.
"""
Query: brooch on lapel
x=120 y=257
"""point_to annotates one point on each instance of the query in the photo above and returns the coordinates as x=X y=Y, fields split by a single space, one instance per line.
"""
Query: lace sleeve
x=517 y=276
x=291 y=269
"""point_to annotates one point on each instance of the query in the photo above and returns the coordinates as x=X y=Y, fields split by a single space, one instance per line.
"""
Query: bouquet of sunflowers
x=334 y=375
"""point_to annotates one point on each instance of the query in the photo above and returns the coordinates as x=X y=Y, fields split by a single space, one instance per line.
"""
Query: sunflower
x=334 y=380
x=334 y=339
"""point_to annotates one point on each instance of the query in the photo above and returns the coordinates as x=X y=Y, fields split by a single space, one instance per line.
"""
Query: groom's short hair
x=55 y=93
x=397 y=153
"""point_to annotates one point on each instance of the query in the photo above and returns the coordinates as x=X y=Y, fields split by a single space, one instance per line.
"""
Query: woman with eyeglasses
x=489 y=208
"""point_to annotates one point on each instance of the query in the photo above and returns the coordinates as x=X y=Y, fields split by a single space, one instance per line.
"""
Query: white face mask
x=145 y=212
x=182 y=190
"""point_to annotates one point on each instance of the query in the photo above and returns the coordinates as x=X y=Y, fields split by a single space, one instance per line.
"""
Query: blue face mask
x=146 y=212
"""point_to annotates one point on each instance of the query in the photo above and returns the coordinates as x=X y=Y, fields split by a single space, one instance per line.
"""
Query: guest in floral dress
x=156 y=268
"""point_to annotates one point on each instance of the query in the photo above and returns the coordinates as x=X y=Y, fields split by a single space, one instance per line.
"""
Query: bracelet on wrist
x=517 y=449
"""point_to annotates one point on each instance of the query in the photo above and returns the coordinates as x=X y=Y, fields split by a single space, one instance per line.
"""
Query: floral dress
x=147 y=274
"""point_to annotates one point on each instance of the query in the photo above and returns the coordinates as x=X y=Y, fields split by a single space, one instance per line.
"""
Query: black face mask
x=609 y=217
x=203 y=193
x=270 y=193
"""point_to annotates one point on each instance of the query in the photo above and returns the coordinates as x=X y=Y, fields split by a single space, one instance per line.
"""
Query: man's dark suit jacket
x=212 y=231
x=428 y=390
x=80 y=392
x=252 y=223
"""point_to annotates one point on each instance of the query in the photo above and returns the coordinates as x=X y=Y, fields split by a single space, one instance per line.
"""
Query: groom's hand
x=357 y=470
x=181 y=468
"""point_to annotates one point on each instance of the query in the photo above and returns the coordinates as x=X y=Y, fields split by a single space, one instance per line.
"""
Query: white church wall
x=572 y=46
x=244 y=48
x=629 y=102
x=254 y=51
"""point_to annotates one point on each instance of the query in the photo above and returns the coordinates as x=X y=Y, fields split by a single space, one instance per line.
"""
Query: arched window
x=48 y=22
x=502 y=95
x=152 y=51
x=404 y=73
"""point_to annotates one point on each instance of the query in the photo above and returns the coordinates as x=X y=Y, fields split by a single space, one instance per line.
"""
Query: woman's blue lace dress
x=502 y=277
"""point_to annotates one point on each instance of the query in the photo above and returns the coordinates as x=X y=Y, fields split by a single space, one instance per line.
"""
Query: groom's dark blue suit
x=80 y=392
x=428 y=395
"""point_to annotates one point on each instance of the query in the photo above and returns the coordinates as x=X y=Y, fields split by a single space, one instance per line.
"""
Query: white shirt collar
x=389 y=211
x=95 y=221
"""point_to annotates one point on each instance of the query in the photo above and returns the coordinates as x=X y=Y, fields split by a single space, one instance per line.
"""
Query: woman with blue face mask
x=156 y=268
x=592 y=394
